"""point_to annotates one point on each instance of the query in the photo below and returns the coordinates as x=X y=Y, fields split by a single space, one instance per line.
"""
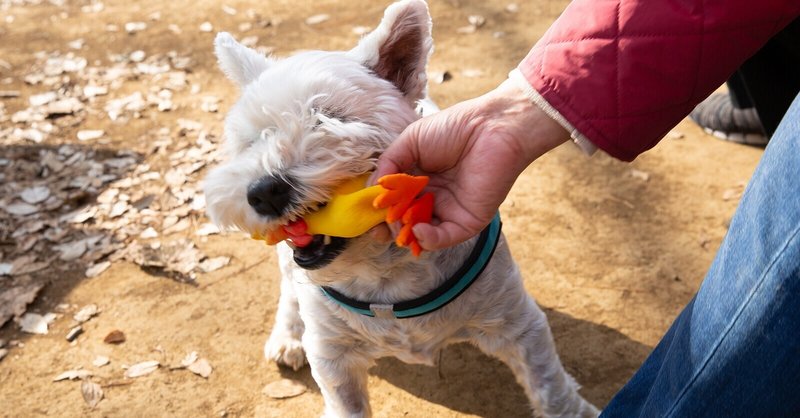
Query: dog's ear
x=240 y=63
x=398 y=49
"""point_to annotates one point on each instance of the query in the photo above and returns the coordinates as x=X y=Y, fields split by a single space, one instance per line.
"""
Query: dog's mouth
x=318 y=252
x=311 y=252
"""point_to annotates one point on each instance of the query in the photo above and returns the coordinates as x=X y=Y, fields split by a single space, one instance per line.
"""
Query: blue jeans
x=734 y=351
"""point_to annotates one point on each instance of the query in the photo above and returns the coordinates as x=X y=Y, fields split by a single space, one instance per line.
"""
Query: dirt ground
x=611 y=250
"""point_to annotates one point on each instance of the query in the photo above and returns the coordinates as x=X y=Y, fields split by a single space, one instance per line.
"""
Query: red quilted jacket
x=622 y=73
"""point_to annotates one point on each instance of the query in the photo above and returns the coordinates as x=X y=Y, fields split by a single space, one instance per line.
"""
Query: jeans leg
x=734 y=351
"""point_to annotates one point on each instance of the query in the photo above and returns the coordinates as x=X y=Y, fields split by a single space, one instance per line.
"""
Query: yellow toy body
x=353 y=209
x=349 y=213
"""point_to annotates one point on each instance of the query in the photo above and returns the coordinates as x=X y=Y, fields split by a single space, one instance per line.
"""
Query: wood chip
x=100 y=361
x=141 y=369
x=86 y=313
x=115 y=337
x=97 y=269
x=92 y=393
x=89 y=135
x=284 y=388
x=317 y=19
x=73 y=333
x=638 y=174
x=440 y=77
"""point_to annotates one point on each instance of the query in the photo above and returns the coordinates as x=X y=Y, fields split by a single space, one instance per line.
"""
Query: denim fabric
x=734 y=351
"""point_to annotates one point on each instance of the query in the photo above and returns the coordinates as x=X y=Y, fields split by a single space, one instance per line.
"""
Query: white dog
x=303 y=125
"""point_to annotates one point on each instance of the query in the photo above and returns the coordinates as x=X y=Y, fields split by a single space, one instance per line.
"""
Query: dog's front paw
x=286 y=350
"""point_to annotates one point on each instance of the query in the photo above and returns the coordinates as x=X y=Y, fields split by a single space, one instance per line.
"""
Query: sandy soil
x=610 y=256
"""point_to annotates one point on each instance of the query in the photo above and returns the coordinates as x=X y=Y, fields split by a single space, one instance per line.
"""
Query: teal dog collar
x=439 y=297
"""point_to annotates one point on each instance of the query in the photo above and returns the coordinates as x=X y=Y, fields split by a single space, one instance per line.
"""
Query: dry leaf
x=92 y=393
x=71 y=250
x=212 y=264
x=284 y=388
x=732 y=194
x=36 y=324
x=476 y=20
x=115 y=337
x=207 y=229
x=141 y=369
x=34 y=195
x=133 y=27
x=72 y=375
x=189 y=359
x=20 y=209
x=201 y=368
x=14 y=301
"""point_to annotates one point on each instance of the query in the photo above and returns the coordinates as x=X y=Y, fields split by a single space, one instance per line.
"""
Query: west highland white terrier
x=302 y=126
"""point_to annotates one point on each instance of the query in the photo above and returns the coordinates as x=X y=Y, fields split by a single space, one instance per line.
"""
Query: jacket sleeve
x=621 y=73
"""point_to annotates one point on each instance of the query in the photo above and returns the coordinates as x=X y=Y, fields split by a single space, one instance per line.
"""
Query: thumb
x=401 y=155
x=446 y=234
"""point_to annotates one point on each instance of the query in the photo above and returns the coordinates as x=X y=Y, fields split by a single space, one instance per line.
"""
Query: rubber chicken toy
x=354 y=209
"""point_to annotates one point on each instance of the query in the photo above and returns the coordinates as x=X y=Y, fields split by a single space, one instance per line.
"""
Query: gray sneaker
x=717 y=116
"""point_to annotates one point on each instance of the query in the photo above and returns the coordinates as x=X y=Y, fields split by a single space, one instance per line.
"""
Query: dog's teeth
x=326 y=240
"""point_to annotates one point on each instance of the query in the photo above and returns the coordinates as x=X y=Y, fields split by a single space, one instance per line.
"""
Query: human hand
x=472 y=152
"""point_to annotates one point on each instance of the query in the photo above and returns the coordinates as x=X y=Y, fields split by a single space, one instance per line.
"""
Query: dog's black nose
x=269 y=196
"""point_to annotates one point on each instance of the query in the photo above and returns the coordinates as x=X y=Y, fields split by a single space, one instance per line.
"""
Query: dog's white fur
x=319 y=118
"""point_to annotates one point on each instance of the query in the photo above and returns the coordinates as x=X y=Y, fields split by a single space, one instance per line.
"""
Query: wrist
x=531 y=130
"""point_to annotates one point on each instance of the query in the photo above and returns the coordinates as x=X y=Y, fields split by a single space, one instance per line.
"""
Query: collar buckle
x=382 y=310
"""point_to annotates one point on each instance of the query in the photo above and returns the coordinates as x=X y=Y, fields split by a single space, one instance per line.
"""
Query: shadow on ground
x=467 y=380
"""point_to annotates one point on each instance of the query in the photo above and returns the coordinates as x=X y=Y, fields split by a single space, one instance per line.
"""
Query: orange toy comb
x=400 y=198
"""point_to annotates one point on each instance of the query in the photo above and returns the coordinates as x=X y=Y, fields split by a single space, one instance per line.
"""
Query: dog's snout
x=269 y=196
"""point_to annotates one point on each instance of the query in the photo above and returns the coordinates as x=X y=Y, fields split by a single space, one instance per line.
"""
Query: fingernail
x=372 y=180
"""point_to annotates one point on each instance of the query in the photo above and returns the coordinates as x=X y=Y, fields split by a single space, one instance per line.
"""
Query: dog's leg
x=342 y=379
x=525 y=344
x=284 y=344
